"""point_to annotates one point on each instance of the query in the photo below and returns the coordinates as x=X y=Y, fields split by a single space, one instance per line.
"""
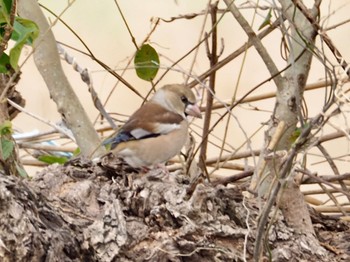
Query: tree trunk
x=274 y=175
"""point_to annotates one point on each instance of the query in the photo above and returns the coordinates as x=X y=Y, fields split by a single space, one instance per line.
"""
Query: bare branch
x=213 y=58
x=260 y=48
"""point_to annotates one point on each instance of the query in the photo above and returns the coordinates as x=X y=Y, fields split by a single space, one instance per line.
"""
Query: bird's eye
x=184 y=99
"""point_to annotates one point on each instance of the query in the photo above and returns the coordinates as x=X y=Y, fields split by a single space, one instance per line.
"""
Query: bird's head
x=179 y=99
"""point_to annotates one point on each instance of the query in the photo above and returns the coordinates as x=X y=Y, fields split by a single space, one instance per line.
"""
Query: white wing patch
x=166 y=128
x=139 y=133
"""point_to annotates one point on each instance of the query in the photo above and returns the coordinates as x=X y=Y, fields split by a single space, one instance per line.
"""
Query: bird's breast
x=154 y=150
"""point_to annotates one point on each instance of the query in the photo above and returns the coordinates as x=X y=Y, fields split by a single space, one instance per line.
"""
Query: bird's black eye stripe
x=184 y=100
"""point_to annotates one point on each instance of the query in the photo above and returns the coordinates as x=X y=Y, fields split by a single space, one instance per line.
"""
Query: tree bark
x=9 y=163
x=78 y=213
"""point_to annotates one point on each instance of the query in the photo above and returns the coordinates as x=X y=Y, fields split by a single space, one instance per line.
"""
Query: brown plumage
x=158 y=130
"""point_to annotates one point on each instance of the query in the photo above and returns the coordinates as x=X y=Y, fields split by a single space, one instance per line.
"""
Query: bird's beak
x=193 y=110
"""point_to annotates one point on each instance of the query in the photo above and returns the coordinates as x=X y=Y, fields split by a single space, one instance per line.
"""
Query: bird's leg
x=145 y=169
x=163 y=168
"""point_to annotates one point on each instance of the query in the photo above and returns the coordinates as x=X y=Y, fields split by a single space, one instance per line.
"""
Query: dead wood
x=90 y=212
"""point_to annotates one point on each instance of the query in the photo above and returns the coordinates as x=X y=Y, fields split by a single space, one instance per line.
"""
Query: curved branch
x=49 y=65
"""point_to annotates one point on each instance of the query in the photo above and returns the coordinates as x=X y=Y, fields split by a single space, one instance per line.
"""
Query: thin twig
x=58 y=128
x=342 y=62
x=156 y=23
x=194 y=59
x=33 y=162
x=333 y=166
x=47 y=147
x=318 y=191
x=330 y=209
x=336 y=25
x=233 y=178
x=332 y=197
x=246 y=236
x=126 y=24
x=329 y=178
x=228 y=120
x=229 y=109
x=260 y=48
x=92 y=56
x=249 y=99
x=320 y=180
x=235 y=54
x=213 y=58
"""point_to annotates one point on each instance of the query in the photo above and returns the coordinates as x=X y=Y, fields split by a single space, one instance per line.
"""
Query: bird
x=158 y=130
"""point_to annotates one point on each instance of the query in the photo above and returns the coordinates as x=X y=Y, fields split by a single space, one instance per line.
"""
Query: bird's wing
x=150 y=120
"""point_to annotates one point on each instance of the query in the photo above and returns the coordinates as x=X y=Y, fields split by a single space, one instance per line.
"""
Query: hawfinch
x=158 y=130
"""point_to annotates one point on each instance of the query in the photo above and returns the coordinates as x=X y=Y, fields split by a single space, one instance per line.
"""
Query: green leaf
x=76 y=151
x=267 y=20
x=21 y=171
x=25 y=32
x=4 y=63
x=6 y=128
x=6 y=148
x=146 y=62
x=5 y=9
x=296 y=133
x=108 y=146
x=7 y=4
x=50 y=159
